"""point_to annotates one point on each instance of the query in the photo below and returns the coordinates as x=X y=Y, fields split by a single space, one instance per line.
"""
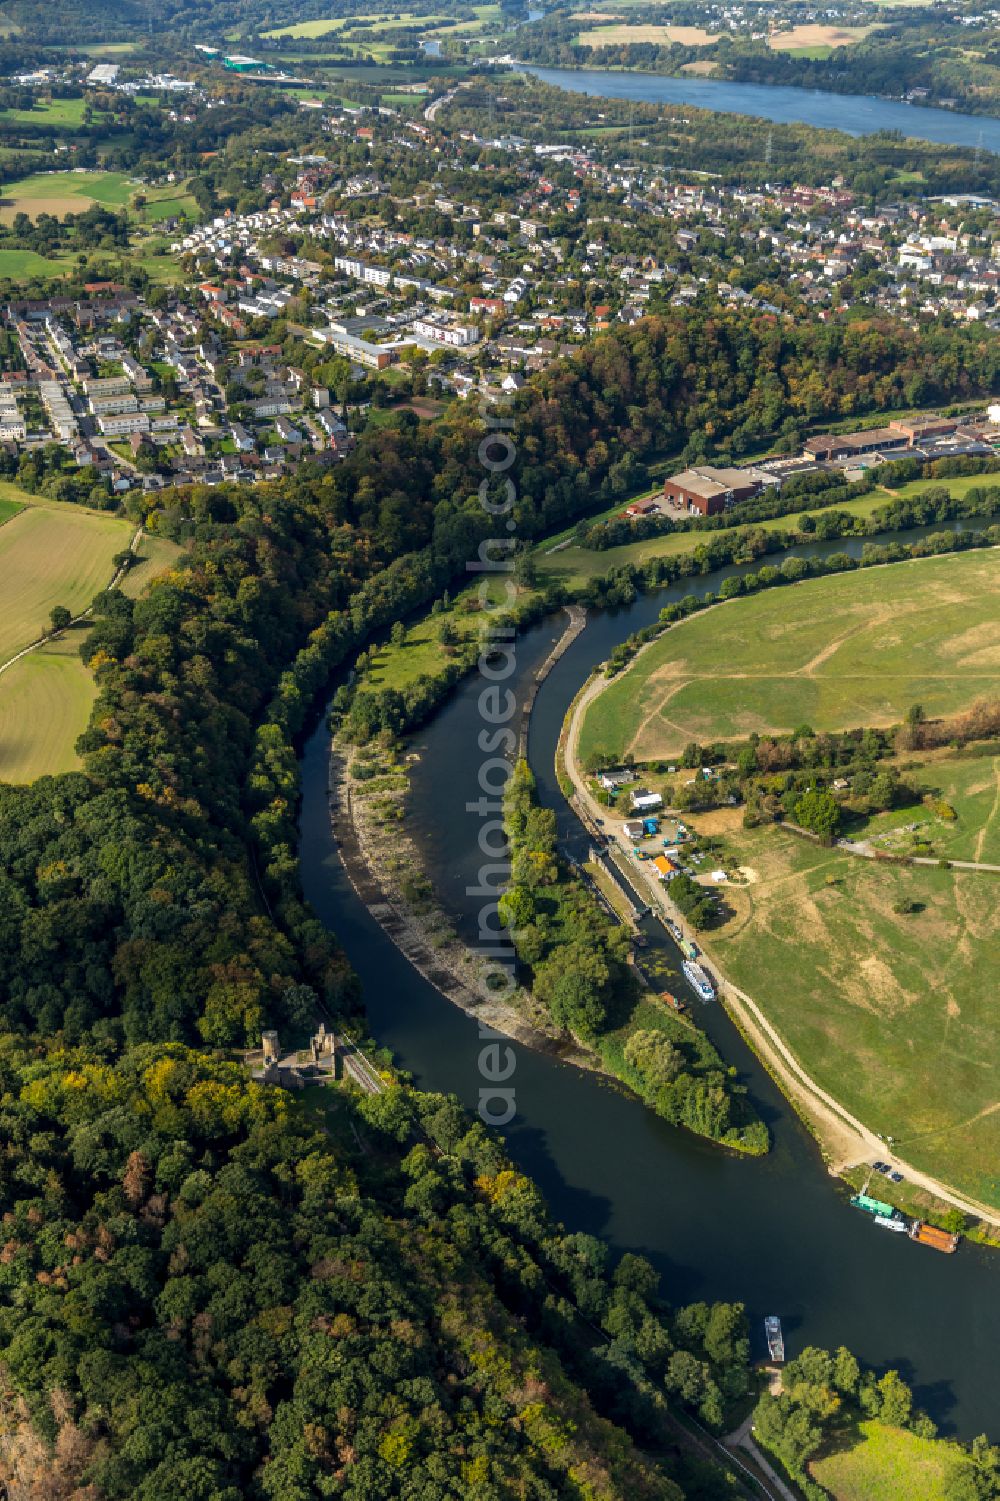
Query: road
x=866 y=851
x=742 y=1438
x=848 y=1140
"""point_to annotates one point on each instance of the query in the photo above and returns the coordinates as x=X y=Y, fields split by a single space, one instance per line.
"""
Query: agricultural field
x=61 y=193
x=53 y=555
x=887 y=1464
x=369 y=24
x=45 y=701
x=481 y=17
x=852 y=649
x=801 y=39
x=625 y=33
x=886 y=1004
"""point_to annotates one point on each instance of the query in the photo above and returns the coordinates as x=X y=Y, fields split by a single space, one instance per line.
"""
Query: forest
x=212 y=1292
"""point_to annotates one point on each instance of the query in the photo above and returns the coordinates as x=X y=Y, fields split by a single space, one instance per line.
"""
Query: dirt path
x=981 y=838
x=846 y=1140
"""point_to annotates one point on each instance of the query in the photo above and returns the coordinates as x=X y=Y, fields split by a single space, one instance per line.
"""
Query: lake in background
x=856 y=114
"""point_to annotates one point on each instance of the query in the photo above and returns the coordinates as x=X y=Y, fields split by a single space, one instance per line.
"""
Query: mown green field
x=892 y=1012
x=887 y=1464
x=8 y=508
x=49 y=112
x=834 y=653
x=25 y=265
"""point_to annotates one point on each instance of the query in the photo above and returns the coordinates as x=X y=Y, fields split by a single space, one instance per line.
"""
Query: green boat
x=873 y=1206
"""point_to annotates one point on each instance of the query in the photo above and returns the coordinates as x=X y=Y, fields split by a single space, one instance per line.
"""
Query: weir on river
x=777 y=1232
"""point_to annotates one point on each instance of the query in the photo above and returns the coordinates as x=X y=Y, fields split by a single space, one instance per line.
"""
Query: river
x=856 y=114
x=777 y=1232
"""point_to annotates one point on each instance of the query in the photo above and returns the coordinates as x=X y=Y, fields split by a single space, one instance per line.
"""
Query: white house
x=644 y=801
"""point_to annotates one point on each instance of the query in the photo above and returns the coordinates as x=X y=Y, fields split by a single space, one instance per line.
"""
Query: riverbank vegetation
x=576 y=955
x=844 y=1434
x=817 y=507
x=402 y=679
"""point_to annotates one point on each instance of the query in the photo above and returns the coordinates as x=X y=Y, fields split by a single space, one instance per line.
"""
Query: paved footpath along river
x=856 y=114
x=776 y=1233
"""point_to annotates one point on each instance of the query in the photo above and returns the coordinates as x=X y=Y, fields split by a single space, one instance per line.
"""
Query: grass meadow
x=887 y=1464
x=852 y=649
x=45 y=701
x=890 y=1011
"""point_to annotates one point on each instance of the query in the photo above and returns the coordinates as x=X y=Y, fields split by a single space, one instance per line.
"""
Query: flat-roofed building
x=710 y=490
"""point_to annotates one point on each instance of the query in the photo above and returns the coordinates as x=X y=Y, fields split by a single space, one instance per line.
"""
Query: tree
x=60 y=617
x=819 y=812
x=882 y=793
x=895 y=1400
x=846 y=1372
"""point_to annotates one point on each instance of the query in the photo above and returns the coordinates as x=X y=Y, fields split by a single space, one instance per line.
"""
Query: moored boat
x=901 y=1226
x=877 y=1207
x=698 y=979
x=775 y=1338
x=930 y=1235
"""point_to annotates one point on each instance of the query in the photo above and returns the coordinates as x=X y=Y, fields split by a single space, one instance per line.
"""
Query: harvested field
x=612 y=36
x=816 y=35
